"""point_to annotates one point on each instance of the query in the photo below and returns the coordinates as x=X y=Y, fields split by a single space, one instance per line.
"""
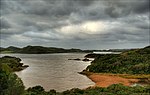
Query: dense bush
x=10 y=84
x=37 y=90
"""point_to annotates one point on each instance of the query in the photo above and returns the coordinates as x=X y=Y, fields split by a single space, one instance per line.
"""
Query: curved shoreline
x=107 y=79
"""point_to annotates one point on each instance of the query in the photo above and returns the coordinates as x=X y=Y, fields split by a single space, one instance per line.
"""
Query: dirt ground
x=106 y=80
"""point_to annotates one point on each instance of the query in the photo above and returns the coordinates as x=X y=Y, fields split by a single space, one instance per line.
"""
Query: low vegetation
x=129 y=62
x=10 y=83
x=115 y=89
x=14 y=63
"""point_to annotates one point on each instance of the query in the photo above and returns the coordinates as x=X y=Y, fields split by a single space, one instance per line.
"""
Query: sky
x=84 y=24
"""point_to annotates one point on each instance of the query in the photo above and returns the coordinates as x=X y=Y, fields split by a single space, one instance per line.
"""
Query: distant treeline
x=43 y=50
x=37 y=50
x=135 y=61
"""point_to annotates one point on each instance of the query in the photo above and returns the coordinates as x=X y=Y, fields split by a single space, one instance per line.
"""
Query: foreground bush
x=115 y=89
x=10 y=84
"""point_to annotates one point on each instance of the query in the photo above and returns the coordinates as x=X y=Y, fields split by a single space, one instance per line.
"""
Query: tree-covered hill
x=44 y=50
x=38 y=50
x=130 y=62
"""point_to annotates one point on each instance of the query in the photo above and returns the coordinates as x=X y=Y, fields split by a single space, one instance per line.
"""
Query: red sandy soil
x=106 y=80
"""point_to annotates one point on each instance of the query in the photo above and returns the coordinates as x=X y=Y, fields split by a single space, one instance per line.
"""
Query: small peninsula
x=14 y=63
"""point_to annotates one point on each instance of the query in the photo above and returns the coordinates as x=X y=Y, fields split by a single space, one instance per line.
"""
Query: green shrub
x=10 y=84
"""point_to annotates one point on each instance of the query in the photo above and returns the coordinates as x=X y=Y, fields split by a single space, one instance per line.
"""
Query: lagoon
x=53 y=71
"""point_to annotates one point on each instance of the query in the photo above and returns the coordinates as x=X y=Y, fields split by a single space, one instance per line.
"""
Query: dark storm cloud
x=75 y=23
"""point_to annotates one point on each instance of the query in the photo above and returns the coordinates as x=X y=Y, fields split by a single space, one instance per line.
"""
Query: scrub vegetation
x=130 y=62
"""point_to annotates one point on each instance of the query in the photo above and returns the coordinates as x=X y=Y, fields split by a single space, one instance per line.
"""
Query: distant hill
x=10 y=49
x=37 y=50
x=135 y=61
x=43 y=50
x=14 y=49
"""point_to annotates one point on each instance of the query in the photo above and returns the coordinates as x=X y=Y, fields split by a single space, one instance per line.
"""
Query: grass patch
x=6 y=52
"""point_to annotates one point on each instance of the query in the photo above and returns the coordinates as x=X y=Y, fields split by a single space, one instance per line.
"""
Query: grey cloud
x=4 y=24
x=141 y=6
x=142 y=26
x=137 y=21
x=47 y=36
x=52 y=8
x=38 y=26
x=38 y=21
x=26 y=23
x=10 y=6
x=116 y=12
x=119 y=8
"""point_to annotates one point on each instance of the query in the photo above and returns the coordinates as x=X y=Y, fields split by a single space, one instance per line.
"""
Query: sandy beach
x=107 y=79
x=104 y=80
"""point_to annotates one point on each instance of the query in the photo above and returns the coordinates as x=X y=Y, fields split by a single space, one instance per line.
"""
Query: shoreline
x=107 y=79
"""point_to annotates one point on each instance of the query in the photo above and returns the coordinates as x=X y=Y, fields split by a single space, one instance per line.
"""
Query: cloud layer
x=86 y=24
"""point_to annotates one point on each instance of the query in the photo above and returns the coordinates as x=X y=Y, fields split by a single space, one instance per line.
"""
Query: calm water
x=53 y=71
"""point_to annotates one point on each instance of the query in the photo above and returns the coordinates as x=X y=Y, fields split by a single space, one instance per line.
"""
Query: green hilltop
x=135 y=61
x=37 y=50
x=45 y=50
